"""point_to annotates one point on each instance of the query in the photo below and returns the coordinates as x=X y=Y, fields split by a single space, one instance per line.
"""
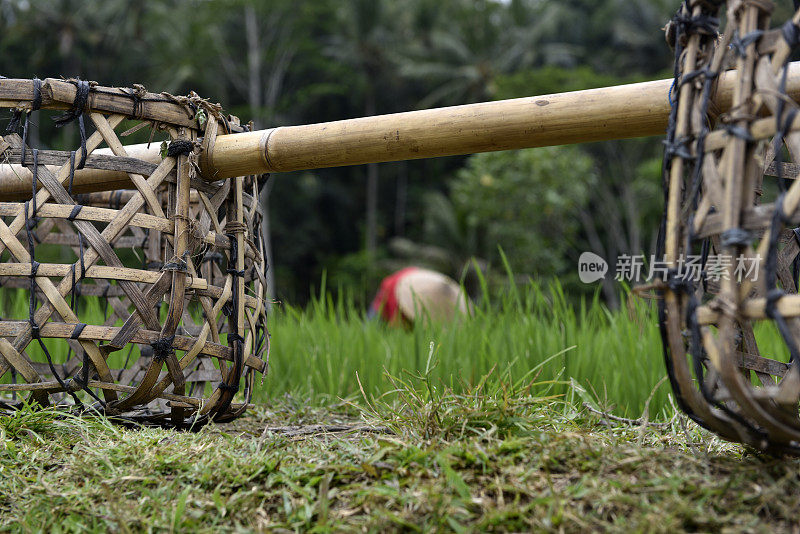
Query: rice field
x=330 y=350
x=615 y=357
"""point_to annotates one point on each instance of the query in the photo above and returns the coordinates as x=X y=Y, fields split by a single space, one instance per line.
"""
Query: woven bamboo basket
x=730 y=314
x=176 y=264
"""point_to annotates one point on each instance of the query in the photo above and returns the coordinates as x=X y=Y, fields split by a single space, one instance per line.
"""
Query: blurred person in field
x=417 y=294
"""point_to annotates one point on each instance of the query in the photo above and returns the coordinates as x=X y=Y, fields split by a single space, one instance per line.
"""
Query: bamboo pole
x=618 y=112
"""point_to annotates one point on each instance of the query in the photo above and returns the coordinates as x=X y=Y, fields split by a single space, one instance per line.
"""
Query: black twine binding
x=791 y=33
x=677 y=148
x=30 y=222
x=179 y=147
x=796 y=262
x=701 y=24
x=177 y=266
x=234 y=255
x=233 y=388
x=76 y=112
x=234 y=338
x=76 y=332
x=740 y=132
x=36 y=104
x=162 y=348
x=234 y=272
x=75 y=211
x=739 y=44
x=735 y=237
x=138 y=101
x=689 y=76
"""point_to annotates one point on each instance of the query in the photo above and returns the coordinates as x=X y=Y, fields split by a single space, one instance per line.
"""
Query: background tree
x=283 y=62
x=362 y=43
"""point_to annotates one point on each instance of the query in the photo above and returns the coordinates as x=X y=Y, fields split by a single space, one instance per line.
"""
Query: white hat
x=425 y=294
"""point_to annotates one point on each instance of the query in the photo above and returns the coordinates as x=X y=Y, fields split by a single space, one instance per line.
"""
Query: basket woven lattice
x=730 y=313
x=173 y=255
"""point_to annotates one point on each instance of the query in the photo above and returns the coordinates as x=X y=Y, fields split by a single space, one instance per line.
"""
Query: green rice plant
x=615 y=356
x=330 y=350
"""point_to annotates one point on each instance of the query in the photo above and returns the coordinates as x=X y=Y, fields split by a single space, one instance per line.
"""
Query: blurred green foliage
x=525 y=201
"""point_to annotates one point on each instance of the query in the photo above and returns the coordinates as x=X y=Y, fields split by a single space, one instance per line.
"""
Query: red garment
x=385 y=301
